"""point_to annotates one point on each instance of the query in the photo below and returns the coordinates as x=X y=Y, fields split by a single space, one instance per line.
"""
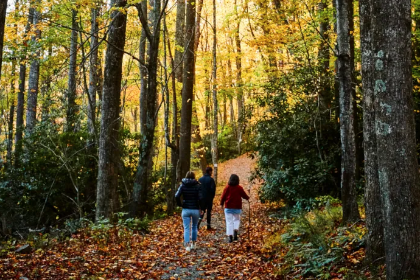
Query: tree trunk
x=3 y=8
x=347 y=110
x=398 y=172
x=179 y=40
x=11 y=116
x=110 y=111
x=215 y=101
x=93 y=73
x=187 y=91
x=239 y=96
x=21 y=94
x=324 y=57
x=373 y=204
x=33 y=82
x=141 y=184
x=71 y=90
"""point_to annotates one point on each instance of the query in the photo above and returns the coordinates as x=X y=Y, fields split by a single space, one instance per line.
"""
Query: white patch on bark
x=382 y=128
x=387 y=108
x=379 y=87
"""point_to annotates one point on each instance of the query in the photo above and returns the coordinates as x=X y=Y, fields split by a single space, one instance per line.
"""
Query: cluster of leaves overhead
x=298 y=145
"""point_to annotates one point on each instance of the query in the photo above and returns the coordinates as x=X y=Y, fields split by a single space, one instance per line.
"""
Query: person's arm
x=201 y=200
x=223 y=198
x=178 y=196
x=213 y=187
x=244 y=194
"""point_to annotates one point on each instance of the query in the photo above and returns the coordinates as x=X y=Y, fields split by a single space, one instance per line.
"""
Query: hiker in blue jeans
x=192 y=203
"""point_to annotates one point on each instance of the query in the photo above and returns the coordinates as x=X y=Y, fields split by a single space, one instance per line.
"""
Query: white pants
x=232 y=222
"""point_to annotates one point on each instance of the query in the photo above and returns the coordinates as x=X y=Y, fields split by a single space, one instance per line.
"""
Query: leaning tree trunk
x=215 y=101
x=373 y=205
x=33 y=82
x=187 y=91
x=21 y=94
x=347 y=110
x=93 y=73
x=396 y=151
x=240 y=93
x=109 y=156
x=3 y=8
x=71 y=89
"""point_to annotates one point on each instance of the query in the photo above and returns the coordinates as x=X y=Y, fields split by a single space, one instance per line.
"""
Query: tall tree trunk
x=196 y=136
x=3 y=8
x=215 y=101
x=240 y=94
x=141 y=184
x=187 y=91
x=324 y=57
x=11 y=116
x=110 y=111
x=179 y=40
x=21 y=94
x=398 y=173
x=71 y=89
x=93 y=73
x=373 y=204
x=347 y=110
x=33 y=88
x=143 y=70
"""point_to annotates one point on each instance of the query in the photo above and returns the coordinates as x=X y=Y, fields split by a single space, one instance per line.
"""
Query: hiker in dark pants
x=208 y=187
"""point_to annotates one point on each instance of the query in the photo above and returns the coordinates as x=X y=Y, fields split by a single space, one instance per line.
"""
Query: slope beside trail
x=160 y=253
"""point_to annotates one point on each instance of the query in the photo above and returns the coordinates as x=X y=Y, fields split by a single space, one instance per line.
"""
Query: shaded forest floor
x=117 y=253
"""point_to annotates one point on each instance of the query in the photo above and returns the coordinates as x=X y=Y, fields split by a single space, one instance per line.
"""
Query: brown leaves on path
x=122 y=254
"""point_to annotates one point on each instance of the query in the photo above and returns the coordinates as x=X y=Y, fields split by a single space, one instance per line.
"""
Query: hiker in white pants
x=232 y=202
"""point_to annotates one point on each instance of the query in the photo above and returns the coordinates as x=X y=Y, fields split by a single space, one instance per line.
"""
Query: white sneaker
x=193 y=246
x=188 y=248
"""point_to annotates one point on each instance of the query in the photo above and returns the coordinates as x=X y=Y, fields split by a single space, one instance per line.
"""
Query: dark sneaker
x=235 y=235
x=230 y=238
x=209 y=227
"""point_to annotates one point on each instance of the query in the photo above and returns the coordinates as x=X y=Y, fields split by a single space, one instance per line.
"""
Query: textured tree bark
x=93 y=73
x=398 y=173
x=373 y=204
x=21 y=94
x=110 y=114
x=324 y=57
x=143 y=69
x=71 y=88
x=347 y=110
x=33 y=83
x=3 y=8
x=215 y=101
x=187 y=91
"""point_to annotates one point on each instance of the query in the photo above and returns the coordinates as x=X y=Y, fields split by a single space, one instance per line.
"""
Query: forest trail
x=160 y=254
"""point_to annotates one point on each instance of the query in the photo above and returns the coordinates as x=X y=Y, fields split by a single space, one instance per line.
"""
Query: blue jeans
x=187 y=216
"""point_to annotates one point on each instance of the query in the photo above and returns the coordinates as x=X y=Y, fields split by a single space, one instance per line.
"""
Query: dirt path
x=215 y=258
x=121 y=254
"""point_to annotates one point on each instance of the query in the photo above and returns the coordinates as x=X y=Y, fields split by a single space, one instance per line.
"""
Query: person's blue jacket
x=208 y=187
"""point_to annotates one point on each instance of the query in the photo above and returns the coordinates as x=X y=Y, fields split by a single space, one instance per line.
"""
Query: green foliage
x=315 y=243
x=297 y=145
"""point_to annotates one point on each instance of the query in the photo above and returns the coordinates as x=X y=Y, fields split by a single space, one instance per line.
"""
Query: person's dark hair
x=209 y=170
x=190 y=175
x=233 y=180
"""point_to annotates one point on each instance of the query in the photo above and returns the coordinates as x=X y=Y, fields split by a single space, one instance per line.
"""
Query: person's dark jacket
x=208 y=187
x=190 y=193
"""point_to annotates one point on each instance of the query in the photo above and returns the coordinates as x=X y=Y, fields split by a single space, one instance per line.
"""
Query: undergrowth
x=315 y=245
